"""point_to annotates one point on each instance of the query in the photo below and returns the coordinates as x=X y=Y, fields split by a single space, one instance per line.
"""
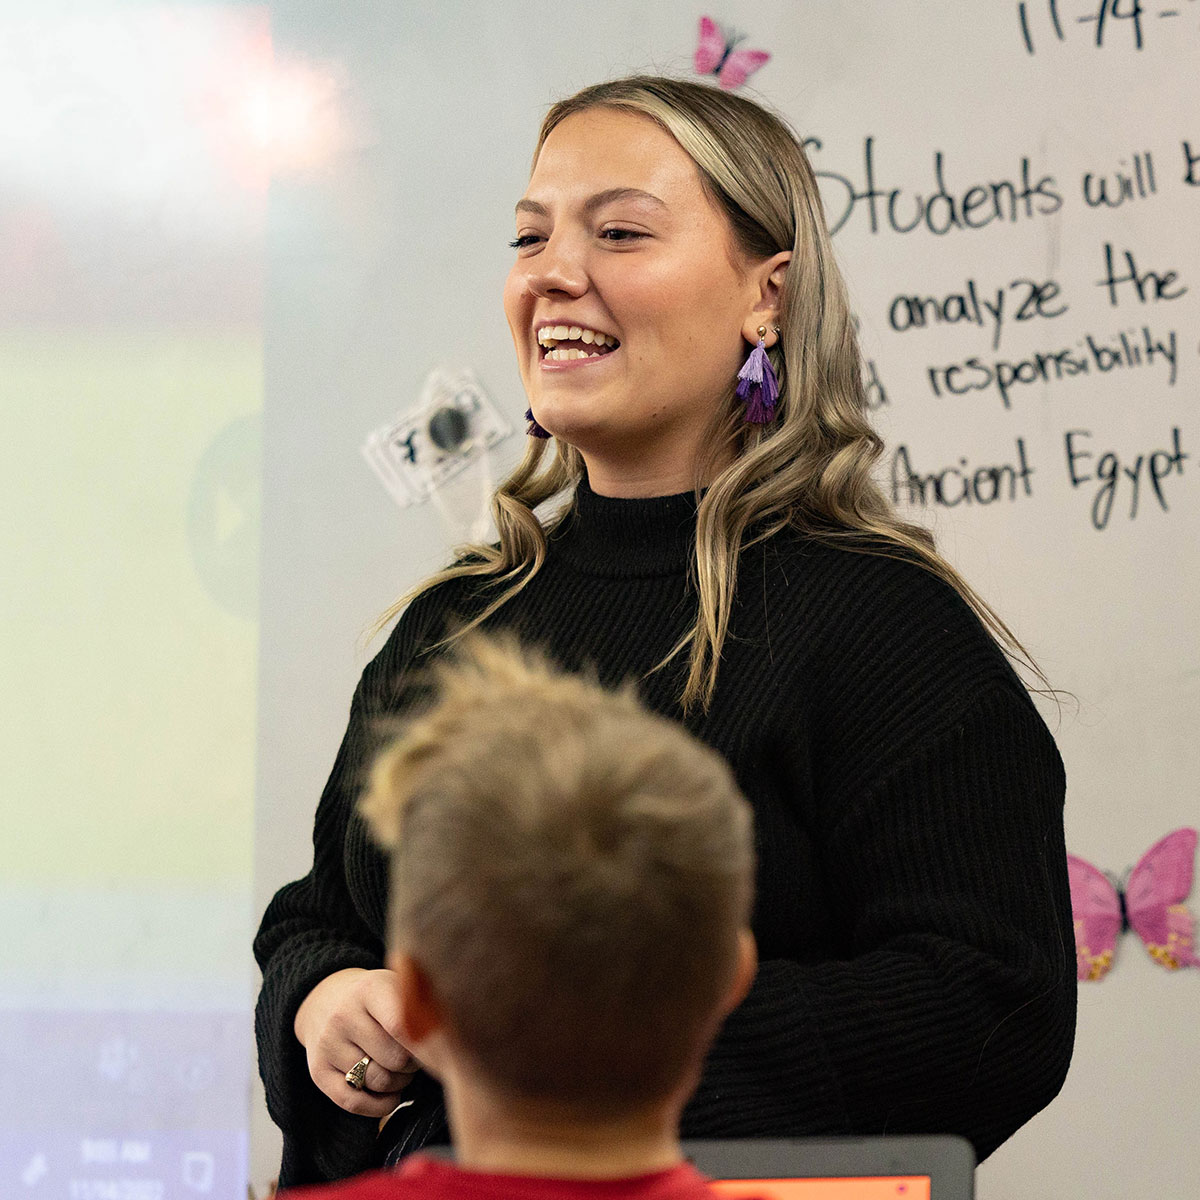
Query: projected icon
x=223 y=516
x=35 y=1170
x=197 y=1072
x=199 y=1167
x=117 y=1057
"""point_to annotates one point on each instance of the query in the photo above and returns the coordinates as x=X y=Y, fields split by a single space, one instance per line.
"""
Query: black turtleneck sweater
x=912 y=915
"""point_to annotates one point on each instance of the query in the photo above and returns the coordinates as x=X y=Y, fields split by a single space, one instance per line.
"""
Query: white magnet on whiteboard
x=454 y=423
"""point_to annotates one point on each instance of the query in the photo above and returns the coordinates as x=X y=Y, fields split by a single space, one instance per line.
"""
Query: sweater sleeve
x=951 y=1008
x=312 y=928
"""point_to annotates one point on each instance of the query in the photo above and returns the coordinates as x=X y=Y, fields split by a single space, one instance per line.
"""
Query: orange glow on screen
x=910 y=1187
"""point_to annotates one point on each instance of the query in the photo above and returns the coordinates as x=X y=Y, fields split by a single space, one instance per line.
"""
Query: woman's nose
x=557 y=270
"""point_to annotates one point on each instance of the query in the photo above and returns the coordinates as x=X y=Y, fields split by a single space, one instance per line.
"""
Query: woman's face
x=616 y=237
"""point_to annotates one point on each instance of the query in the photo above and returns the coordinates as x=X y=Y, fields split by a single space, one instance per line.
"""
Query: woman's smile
x=562 y=344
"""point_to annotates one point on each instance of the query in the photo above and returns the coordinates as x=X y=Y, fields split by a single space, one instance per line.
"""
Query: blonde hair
x=809 y=469
x=571 y=871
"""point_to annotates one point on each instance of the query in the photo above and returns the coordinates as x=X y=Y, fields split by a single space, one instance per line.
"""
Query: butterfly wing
x=740 y=65
x=1154 y=899
x=1097 y=915
x=710 y=48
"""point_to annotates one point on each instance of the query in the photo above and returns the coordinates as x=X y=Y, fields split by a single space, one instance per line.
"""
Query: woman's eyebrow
x=593 y=202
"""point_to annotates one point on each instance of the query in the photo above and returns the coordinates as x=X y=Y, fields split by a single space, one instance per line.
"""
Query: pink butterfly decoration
x=716 y=55
x=1151 y=904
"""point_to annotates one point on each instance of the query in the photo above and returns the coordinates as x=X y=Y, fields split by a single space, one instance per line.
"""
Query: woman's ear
x=768 y=276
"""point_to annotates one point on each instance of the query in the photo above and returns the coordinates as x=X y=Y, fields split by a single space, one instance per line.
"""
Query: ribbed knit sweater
x=912 y=912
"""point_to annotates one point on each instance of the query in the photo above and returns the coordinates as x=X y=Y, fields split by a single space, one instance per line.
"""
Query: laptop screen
x=891 y=1187
x=846 y=1168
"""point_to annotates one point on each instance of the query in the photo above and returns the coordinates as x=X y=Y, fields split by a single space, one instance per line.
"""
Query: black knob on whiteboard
x=448 y=429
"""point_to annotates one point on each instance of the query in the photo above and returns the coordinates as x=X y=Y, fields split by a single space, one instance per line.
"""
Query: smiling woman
x=912 y=913
x=618 y=234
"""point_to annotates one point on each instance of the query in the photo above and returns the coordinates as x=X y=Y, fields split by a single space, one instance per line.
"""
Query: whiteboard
x=1016 y=195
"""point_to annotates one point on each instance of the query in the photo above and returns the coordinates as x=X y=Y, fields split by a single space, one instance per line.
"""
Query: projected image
x=136 y=143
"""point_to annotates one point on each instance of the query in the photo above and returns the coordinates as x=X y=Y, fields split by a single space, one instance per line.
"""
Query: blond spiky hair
x=571 y=871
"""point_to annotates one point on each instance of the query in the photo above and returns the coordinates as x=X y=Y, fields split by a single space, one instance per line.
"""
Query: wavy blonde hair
x=811 y=468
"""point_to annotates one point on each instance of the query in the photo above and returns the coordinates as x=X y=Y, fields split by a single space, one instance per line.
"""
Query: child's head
x=571 y=880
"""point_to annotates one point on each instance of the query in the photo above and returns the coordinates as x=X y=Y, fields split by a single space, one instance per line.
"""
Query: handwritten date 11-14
x=1108 y=19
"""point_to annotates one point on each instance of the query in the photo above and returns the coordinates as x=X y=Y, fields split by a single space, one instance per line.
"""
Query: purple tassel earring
x=534 y=429
x=757 y=384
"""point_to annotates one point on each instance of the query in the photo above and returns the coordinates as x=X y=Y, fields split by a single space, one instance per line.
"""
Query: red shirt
x=422 y=1178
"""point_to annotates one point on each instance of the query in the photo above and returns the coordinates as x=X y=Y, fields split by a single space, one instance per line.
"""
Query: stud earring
x=757 y=383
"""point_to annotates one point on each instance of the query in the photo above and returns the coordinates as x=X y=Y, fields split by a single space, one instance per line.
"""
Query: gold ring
x=358 y=1072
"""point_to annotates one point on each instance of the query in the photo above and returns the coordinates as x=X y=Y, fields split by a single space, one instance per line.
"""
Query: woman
x=912 y=915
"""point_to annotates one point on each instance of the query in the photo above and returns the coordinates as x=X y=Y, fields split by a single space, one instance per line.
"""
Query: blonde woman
x=727 y=549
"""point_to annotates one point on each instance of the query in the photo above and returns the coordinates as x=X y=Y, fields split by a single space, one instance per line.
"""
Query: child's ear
x=420 y=1009
x=744 y=971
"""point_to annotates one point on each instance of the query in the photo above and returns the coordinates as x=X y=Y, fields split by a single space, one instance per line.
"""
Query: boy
x=569 y=909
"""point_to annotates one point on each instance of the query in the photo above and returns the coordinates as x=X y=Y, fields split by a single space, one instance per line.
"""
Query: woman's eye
x=526 y=239
x=621 y=235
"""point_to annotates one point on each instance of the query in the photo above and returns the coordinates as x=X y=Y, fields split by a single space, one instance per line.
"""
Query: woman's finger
x=385 y=1052
x=378 y=1078
x=381 y=1004
x=364 y=1103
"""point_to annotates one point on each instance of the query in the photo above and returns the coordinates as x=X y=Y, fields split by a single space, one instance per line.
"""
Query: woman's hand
x=348 y=1014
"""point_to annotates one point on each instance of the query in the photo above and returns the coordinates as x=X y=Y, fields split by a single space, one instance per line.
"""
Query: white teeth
x=549 y=334
x=568 y=354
